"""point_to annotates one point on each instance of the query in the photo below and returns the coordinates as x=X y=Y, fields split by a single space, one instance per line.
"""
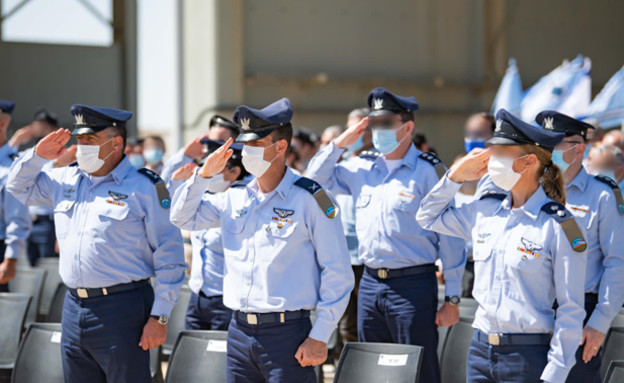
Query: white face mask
x=218 y=184
x=253 y=160
x=88 y=157
x=502 y=173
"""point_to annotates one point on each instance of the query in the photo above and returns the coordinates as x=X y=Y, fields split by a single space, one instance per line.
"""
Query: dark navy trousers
x=41 y=240
x=505 y=364
x=266 y=353
x=207 y=313
x=590 y=372
x=100 y=337
x=401 y=310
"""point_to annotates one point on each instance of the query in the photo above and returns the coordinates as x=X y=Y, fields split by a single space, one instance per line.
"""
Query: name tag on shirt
x=217 y=345
x=392 y=360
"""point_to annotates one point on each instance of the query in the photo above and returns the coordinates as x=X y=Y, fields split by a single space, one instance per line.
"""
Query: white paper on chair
x=392 y=360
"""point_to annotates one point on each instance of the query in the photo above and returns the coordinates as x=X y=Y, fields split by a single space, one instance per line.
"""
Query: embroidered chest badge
x=529 y=248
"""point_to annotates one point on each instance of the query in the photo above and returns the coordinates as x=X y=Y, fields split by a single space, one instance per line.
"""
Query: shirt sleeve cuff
x=452 y=288
x=12 y=251
x=322 y=330
x=599 y=322
x=162 y=307
x=555 y=374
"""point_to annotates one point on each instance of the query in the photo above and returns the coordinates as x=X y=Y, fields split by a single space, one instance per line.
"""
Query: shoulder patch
x=619 y=200
x=434 y=161
x=493 y=194
x=161 y=188
x=320 y=195
x=370 y=154
x=568 y=224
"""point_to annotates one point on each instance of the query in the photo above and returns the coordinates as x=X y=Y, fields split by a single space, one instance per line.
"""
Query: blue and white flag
x=567 y=89
x=509 y=95
x=607 y=109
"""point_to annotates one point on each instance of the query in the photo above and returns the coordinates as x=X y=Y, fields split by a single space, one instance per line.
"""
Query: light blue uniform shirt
x=173 y=163
x=282 y=253
x=110 y=229
x=523 y=261
x=207 y=264
x=593 y=204
x=385 y=210
x=15 y=223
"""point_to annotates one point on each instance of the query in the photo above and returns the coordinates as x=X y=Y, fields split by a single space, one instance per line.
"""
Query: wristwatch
x=163 y=320
x=454 y=300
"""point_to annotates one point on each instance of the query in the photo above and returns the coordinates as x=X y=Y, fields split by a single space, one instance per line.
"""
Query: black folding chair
x=13 y=309
x=39 y=356
x=455 y=351
x=615 y=372
x=52 y=280
x=379 y=362
x=176 y=321
x=198 y=356
x=613 y=348
x=29 y=281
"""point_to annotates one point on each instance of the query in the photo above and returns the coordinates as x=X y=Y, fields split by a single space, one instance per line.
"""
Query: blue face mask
x=136 y=160
x=357 y=145
x=153 y=156
x=385 y=140
x=470 y=144
x=587 y=149
x=557 y=159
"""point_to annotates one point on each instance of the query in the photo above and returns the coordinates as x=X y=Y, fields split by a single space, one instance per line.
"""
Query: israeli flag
x=567 y=89
x=608 y=107
x=509 y=95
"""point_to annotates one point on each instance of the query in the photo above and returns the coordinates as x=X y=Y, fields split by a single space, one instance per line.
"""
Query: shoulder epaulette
x=13 y=156
x=75 y=163
x=370 y=154
x=568 y=224
x=319 y=194
x=435 y=162
x=619 y=200
x=493 y=194
x=161 y=188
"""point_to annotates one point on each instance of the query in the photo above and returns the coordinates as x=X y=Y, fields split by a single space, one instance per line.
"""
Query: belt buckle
x=82 y=293
x=382 y=273
x=494 y=339
x=252 y=319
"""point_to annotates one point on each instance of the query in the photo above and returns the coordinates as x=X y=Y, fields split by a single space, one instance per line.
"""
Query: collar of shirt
x=580 y=181
x=118 y=174
x=531 y=207
x=409 y=159
x=282 y=189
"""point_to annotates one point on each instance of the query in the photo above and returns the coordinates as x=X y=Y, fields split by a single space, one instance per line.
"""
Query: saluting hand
x=184 y=173
x=216 y=161
x=52 y=146
x=352 y=134
x=472 y=167
x=195 y=149
x=312 y=352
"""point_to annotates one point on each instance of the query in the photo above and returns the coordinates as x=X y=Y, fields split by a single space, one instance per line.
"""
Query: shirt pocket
x=363 y=201
x=63 y=212
x=114 y=213
x=405 y=202
x=280 y=229
x=482 y=257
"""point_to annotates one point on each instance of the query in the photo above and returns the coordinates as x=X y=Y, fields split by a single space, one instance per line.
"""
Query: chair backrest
x=615 y=372
x=52 y=280
x=379 y=362
x=442 y=334
x=198 y=356
x=29 y=281
x=39 y=356
x=176 y=320
x=455 y=351
x=55 y=311
x=618 y=321
x=613 y=348
x=13 y=307
x=155 y=366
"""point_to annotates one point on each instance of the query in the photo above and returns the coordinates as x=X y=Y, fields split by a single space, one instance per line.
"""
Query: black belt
x=269 y=318
x=513 y=339
x=93 y=293
x=404 y=272
x=591 y=298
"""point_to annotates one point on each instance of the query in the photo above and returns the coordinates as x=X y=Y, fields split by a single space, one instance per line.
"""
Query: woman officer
x=528 y=253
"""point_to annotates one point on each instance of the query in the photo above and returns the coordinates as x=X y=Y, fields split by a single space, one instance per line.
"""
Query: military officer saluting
x=597 y=204
x=285 y=252
x=528 y=252
x=15 y=223
x=113 y=229
x=398 y=295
